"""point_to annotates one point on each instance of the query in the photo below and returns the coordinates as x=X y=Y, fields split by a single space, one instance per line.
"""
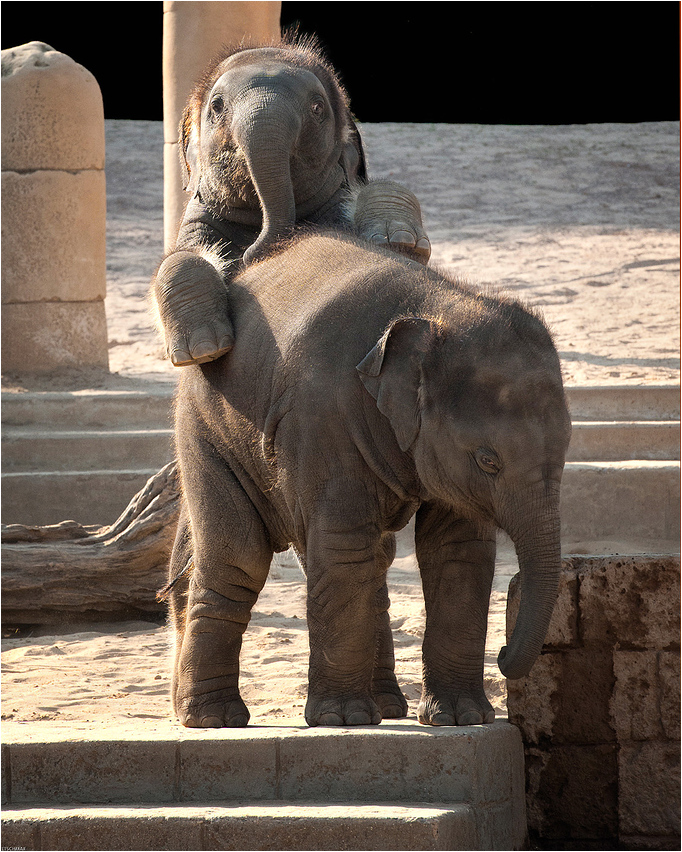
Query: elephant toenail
x=181 y=358
x=403 y=238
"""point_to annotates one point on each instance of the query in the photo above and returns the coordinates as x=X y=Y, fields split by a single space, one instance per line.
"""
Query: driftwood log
x=69 y=572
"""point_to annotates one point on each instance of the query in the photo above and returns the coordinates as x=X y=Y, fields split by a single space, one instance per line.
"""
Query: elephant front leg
x=457 y=562
x=191 y=299
x=344 y=566
x=389 y=214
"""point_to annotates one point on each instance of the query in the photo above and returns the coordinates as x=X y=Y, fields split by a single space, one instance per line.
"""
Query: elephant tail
x=163 y=593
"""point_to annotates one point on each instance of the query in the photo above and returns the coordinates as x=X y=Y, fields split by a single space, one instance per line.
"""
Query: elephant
x=268 y=143
x=364 y=389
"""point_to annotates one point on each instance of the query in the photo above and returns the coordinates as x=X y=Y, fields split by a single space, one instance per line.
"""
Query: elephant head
x=268 y=138
x=479 y=405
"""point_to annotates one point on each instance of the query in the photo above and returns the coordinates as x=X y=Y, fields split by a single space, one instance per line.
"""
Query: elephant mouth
x=227 y=185
x=228 y=189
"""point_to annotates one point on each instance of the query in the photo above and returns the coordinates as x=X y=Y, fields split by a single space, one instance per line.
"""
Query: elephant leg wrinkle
x=207 y=691
x=457 y=563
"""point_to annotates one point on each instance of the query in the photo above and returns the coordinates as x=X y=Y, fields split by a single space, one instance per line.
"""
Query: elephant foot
x=202 y=345
x=391 y=706
x=213 y=710
x=457 y=708
x=389 y=698
x=192 y=302
x=402 y=238
x=388 y=214
x=341 y=711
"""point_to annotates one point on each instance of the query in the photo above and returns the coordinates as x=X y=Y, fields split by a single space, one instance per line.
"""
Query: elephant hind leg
x=385 y=690
x=176 y=590
x=231 y=557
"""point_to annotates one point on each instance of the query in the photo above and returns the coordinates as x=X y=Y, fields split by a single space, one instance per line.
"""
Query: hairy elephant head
x=268 y=138
x=480 y=406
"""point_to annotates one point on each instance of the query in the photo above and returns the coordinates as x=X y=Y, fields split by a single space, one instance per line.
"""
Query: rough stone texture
x=669 y=680
x=600 y=715
x=571 y=791
x=636 y=696
x=53 y=213
x=649 y=783
x=632 y=601
x=138 y=771
x=264 y=826
x=43 y=336
x=397 y=786
x=53 y=236
x=43 y=89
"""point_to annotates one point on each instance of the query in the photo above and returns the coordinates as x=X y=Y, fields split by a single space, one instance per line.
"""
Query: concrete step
x=33 y=449
x=148 y=408
x=636 y=499
x=624 y=440
x=464 y=785
x=151 y=407
x=265 y=825
x=28 y=449
x=101 y=446
x=624 y=402
x=85 y=496
x=600 y=500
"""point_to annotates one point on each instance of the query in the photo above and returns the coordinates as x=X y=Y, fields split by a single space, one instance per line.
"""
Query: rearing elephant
x=268 y=143
x=364 y=388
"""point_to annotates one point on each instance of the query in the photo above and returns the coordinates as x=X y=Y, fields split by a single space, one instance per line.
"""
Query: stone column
x=53 y=213
x=193 y=34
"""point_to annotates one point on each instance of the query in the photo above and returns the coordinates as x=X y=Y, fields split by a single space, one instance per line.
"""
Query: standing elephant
x=268 y=143
x=364 y=388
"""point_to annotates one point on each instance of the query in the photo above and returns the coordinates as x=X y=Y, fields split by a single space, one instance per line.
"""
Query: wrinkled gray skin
x=364 y=388
x=268 y=143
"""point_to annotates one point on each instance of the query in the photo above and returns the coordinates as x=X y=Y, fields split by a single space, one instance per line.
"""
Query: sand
x=581 y=221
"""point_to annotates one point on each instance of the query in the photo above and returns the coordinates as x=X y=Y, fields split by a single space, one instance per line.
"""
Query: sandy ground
x=582 y=221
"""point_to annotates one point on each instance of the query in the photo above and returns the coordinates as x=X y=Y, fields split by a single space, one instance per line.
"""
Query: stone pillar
x=193 y=34
x=53 y=213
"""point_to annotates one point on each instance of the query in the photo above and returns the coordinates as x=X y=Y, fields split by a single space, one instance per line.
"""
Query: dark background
x=484 y=62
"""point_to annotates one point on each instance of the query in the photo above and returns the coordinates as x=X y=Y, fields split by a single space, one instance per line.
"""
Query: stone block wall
x=600 y=710
x=53 y=213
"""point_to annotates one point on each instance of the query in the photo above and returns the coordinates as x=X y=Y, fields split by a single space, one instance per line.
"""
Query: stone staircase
x=622 y=477
x=397 y=786
x=82 y=455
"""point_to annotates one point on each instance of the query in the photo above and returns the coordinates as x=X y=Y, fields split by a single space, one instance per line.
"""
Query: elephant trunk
x=266 y=133
x=539 y=554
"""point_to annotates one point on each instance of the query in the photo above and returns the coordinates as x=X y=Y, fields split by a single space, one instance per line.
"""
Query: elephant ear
x=189 y=137
x=353 y=155
x=393 y=374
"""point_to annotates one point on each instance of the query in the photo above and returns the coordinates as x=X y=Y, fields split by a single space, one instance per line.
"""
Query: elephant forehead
x=272 y=75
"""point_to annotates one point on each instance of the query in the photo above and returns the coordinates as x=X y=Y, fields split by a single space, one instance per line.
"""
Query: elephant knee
x=234 y=607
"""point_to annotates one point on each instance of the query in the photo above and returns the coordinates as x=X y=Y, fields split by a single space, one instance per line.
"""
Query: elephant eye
x=487 y=460
x=317 y=108
x=217 y=105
